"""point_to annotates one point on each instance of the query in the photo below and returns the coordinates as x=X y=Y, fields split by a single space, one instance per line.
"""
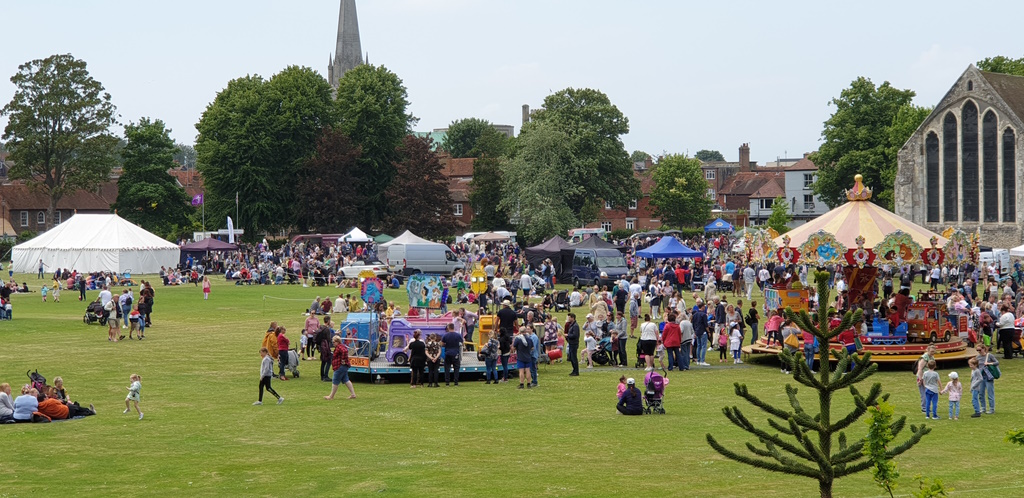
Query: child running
x=134 y=395
x=955 y=389
x=930 y=380
x=266 y=372
x=977 y=384
x=44 y=291
x=206 y=288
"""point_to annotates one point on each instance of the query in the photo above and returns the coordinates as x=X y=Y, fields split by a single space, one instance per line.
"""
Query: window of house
x=711 y=193
x=632 y=204
x=630 y=224
x=606 y=225
x=41 y=217
x=765 y=203
x=458 y=209
x=607 y=204
x=24 y=218
x=56 y=218
x=709 y=174
x=808 y=180
x=808 y=202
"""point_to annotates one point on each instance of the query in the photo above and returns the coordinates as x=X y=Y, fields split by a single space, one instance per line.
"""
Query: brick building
x=459 y=173
x=638 y=215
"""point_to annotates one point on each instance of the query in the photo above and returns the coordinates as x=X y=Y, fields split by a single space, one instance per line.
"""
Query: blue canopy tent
x=718 y=226
x=669 y=247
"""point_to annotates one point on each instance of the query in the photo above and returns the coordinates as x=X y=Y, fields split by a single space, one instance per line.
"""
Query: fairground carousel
x=862 y=239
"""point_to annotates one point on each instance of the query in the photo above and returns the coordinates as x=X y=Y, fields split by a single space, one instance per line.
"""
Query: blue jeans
x=809 y=355
x=954 y=409
x=753 y=333
x=674 y=359
x=921 y=390
x=533 y=370
x=931 y=403
x=989 y=387
x=976 y=400
x=702 y=348
x=684 y=355
x=491 y=372
x=735 y=354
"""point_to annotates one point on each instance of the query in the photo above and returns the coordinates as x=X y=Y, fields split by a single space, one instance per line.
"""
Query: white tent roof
x=96 y=242
x=407 y=237
x=355 y=235
x=1017 y=251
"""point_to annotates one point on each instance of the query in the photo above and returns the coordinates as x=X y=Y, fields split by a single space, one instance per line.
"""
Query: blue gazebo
x=718 y=226
x=669 y=247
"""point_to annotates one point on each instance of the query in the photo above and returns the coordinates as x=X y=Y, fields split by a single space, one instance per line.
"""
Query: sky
x=688 y=75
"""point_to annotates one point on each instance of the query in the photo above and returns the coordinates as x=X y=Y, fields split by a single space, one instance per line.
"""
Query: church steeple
x=347 y=53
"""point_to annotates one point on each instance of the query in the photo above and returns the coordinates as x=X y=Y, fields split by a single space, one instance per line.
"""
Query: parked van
x=410 y=259
x=1000 y=258
x=577 y=235
x=598 y=266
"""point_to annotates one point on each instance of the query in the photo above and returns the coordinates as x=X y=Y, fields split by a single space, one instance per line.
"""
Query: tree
x=485 y=195
x=639 y=156
x=857 y=139
x=58 y=128
x=418 y=198
x=877 y=442
x=329 y=194
x=1002 y=64
x=600 y=166
x=709 y=155
x=536 y=185
x=147 y=194
x=800 y=442
x=372 y=103
x=254 y=138
x=780 y=215
x=908 y=118
x=473 y=137
x=185 y=156
x=680 y=193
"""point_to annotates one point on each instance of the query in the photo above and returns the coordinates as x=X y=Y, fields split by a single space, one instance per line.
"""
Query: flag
x=236 y=198
x=197 y=200
x=231 y=231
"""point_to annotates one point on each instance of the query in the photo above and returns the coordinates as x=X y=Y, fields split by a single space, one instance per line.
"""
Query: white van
x=1000 y=258
x=410 y=259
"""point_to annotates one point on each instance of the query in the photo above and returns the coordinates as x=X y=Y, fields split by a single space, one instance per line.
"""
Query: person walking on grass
x=206 y=288
x=266 y=372
x=572 y=340
x=524 y=356
x=340 y=364
x=134 y=394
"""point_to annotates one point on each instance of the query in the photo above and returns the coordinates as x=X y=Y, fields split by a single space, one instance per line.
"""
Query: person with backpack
x=524 y=356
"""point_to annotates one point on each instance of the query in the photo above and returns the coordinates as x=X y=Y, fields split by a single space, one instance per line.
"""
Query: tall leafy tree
x=329 y=194
x=1002 y=64
x=680 y=193
x=709 y=155
x=473 y=137
x=185 y=156
x=908 y=118
x=780 y=215
x=639 y=155
x=485 y=195
x=811 y=442
x=58 y=128
x=253 y=139
x=600 y=166
x=418 y=198
x=372 y=104
x=536 y=184
x=147 y=194
x=857 y=139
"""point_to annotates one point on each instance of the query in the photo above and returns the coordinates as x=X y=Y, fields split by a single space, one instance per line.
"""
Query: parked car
x=357 y=267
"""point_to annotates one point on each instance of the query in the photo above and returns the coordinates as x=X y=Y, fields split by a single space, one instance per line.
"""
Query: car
x=353 y=270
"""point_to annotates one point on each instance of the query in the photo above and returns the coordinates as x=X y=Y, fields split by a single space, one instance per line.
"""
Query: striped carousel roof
x=860 y=217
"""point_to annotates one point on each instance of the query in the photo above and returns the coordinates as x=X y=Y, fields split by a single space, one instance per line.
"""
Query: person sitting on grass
x=53 y=409
x=631 y=402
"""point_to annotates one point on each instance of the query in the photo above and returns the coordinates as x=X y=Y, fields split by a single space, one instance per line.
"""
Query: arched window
x=931 y=154
x=1009 y=176
x=990 y=166
x=949 y=169
x=969 y=161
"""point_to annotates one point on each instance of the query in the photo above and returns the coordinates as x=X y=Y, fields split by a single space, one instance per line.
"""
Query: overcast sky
x=689 y=75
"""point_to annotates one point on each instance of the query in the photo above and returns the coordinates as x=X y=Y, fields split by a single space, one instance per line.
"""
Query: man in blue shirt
x=452 y=343
x=536 y=354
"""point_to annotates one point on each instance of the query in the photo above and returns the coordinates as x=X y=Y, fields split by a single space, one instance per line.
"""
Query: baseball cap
x=954 y=375
x=630 y=381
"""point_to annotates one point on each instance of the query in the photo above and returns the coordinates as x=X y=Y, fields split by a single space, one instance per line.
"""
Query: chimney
x=745 y=158
x=648 y=162
x=806 y=154
x=526 y=113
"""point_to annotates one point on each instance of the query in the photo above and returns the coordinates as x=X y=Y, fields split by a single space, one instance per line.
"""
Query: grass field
x=201 y=436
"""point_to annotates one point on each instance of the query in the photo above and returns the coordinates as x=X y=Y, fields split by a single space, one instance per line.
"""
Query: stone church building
x=963 y=166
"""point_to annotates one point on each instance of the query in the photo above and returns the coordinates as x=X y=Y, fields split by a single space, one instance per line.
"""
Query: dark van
x=598 y=266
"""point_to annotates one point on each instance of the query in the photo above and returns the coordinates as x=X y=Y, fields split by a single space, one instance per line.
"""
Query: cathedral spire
x=347 y=53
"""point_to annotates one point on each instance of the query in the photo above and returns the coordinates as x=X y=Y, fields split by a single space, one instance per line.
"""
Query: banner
x=425 y=291
x=231 y=231
x=197 y=200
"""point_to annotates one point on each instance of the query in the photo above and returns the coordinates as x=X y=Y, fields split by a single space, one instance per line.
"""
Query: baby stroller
x=654 y=392
x=94 y=314
x=292 y=365
x=562 y=301
x=1016 y=344
x=603 y=354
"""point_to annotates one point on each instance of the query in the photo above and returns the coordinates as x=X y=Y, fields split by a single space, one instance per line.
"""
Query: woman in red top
x=671 y=338
x=282 y=349
x=340 y=364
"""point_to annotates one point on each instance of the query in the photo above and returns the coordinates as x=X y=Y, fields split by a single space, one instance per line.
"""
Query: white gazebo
x=96 y=242
x=355 y=235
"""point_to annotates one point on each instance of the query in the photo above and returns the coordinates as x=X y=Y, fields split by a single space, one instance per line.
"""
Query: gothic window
x=41 y=218
x=969 y=160
x=1009 y=175
x=949 y=169
x=931 y=154
x=990 y=166
x=970 y=85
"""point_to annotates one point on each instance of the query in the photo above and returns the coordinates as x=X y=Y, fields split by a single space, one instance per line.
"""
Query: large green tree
x=473 y=137
x=418 y=199
x=147 y=194
x=373 y=102
x=485 y=195
x=185 y=156
x=254 y=138
x=58 y=129
x=536 y=184
x=329 y=196
x=1002 y=64
x=857 y=139
x=600 y=167
x=680 y=193
x=709 y=155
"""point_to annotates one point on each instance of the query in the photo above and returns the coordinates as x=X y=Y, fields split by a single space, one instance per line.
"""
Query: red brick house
x=459 y=173
x=26 y=209
x=638 y=215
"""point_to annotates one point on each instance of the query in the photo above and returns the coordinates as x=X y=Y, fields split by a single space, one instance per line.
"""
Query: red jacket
x=282 y=342
x=672 y=336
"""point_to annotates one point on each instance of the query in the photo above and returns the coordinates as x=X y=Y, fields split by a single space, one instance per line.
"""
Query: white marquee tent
x=355 y=235
x=407 y=237
x=96 y=242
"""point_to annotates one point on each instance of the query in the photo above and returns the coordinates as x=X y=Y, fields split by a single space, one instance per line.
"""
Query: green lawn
x=201 y=435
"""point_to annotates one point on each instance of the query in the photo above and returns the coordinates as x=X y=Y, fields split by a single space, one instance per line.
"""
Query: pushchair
x=654 y=392
x=1015 y=345
x=292 y=363
x=562 y=301
x=94 y=314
